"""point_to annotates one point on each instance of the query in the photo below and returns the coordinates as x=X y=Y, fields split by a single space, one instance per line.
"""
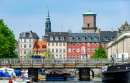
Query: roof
x=40 y=43
x=80 y=35
x=57 y=34
x=31 y=35
x=108 y=34
x=88 y=13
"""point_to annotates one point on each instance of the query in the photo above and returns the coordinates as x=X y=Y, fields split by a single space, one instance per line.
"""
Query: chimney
x=99 y=34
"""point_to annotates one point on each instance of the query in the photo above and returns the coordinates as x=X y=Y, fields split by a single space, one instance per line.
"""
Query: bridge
x=55 y=63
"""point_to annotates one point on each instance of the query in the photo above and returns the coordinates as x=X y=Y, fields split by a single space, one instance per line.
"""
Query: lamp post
x=37 y=46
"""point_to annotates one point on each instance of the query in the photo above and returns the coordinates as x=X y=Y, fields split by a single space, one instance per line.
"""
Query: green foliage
x=99 y=53
x=7 y=42
x=49 y=54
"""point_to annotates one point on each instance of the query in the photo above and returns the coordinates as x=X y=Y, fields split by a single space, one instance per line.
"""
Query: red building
x=82 y=45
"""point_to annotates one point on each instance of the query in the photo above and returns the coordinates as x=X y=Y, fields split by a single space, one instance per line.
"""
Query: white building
x=26 y=43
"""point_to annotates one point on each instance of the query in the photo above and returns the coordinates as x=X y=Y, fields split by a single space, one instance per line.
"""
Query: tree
x=49 y=54
x=99 y=53
x=7 y=42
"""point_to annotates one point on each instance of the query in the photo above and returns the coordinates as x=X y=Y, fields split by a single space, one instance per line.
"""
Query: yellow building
x=40 y=48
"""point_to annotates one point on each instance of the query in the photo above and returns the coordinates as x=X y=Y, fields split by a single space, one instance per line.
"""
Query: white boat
x=6 y=81
x=8 y=71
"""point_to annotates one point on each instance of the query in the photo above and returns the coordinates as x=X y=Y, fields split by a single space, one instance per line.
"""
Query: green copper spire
x=48 y=17
x=88 y=12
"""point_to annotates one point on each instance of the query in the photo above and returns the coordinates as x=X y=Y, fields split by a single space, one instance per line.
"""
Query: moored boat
x=115 y=74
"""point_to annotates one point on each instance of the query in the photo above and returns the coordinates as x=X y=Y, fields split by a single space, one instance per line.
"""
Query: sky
x=26 y=15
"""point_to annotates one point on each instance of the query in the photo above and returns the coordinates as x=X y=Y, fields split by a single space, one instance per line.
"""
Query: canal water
x=94 y=80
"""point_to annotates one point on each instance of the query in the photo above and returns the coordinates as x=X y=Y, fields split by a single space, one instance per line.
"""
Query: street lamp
x=37 y=45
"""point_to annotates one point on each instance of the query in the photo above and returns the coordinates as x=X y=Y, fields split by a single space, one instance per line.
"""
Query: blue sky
x=26 y=15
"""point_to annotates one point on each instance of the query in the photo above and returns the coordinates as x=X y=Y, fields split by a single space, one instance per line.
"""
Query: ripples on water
x=95 y=80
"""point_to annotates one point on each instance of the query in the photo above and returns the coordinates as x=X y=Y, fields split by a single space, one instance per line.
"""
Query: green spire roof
x=48 y=14
x=88 y=12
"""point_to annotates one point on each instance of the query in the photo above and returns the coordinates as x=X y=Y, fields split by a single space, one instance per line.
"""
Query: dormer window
x=37 y=47
x=62 y=38
x=89 y=38
x=71 y=38
x=56 y=38
x=95 y=38
x=83 y=38
x=51 y=38
x=77 y=38
x=27 y=34
x=43 y=46
x=113 y=38
x=106 y=38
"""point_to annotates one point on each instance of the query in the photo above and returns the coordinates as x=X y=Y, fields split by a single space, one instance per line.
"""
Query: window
x=64 y=50
x=39 y=52
x=77 y=44
x=89 y=38
x=29 y=45
x=30 y=51
x=88 y=44
x=88 y=56
x=102 y=44
x=37 y=46
x=63 y=43
x=106 y=38
x=83 y=38
x=56 y=38
x=106 y=44
x=60 y=56
x=56 y=50
x=64 y=56
x=48 y=43
x=21 y=51
x=83 y=49
x=62 y=38
x=29 y=40
x=77 y=49
x=56 y=43
x=73 y=44
x=77 y=56
x=43 y=46
x=24 y=40
x=69 y=44
x=96 y=44
x=60 y=43
x=51 y=38
x=27 y=34
x=24 y=45
x=88 y=25
x=92 y=44
x=69 y=56
x=88 y=49
x=83 y=44
x=106 y=50
x=73 y=56
x=52 y=50
x=73 y=49
x=113 y=38
x=42 y=52
x=24 y=51
x=52 y=43
x=21 y=45
x=95 y=38
x=60 y=50
x=77 y=38
x=71 y=38
x=69 y=50
x=92 y=49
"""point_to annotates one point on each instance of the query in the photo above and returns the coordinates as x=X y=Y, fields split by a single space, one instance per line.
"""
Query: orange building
x=40 y=48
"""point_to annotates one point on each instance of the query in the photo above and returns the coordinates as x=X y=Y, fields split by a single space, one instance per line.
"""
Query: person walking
x=112 y=59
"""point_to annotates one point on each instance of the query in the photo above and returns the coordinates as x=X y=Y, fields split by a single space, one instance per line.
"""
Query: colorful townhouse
x=82 y=45
x=40 y=48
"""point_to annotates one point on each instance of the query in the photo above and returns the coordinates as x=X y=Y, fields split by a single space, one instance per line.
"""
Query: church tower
x=47 y=23
x=89 y=22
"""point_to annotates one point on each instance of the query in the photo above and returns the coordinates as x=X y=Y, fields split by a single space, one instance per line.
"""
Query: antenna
x=30 y=27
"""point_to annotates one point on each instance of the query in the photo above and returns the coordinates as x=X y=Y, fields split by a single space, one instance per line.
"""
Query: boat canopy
x=4 y=75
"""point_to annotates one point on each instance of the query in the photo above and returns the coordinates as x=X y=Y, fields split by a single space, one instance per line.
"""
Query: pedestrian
x=112 y=59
